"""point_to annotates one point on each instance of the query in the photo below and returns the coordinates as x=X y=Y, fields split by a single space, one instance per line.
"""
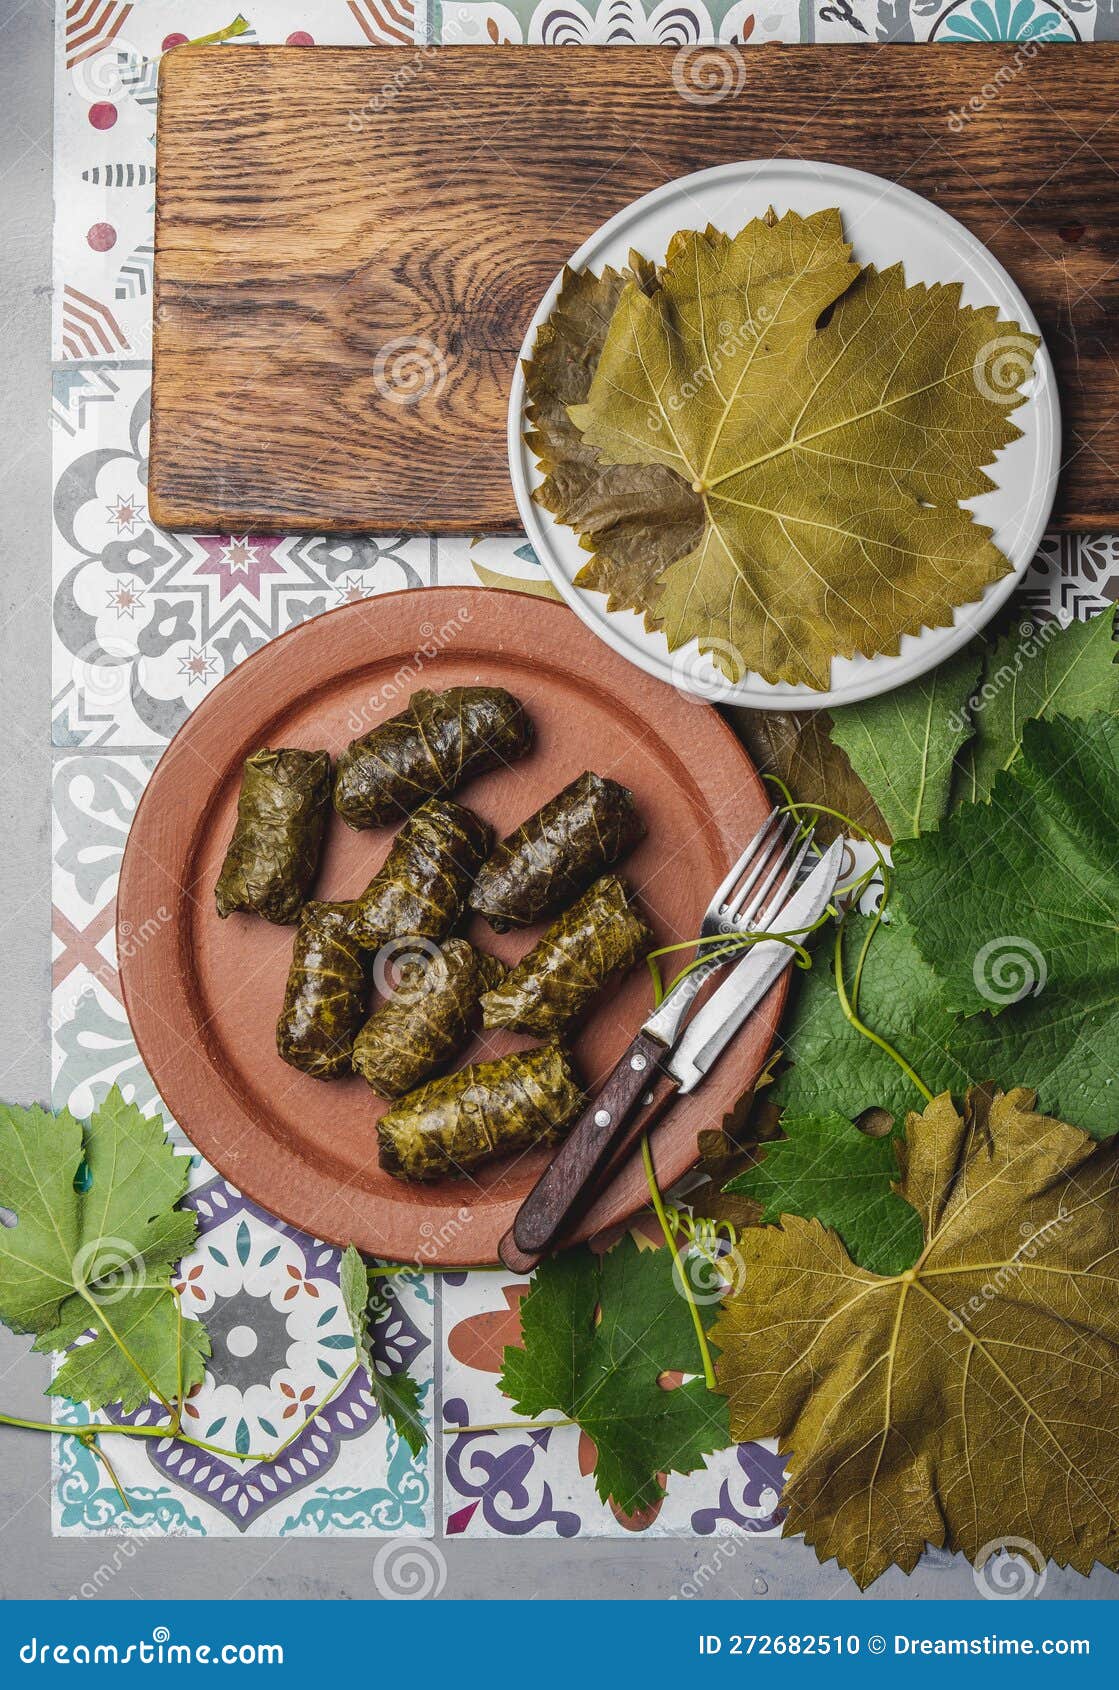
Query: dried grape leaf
x=903 y=744
x=827 y=1169
x=95 y=1264
x=599 y=1332
x=964 y=1400
x=796 y=746
x=635 y=519
x=831 y=459
x=1037 y=671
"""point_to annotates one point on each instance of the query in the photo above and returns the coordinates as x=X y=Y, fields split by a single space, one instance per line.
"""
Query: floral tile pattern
x=269 y=1294
x=539 y=1482
x=146 y=624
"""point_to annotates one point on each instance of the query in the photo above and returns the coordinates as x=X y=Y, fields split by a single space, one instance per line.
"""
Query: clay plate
x=203 y=994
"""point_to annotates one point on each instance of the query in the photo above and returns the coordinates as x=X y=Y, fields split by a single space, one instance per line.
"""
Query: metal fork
x=735 y=906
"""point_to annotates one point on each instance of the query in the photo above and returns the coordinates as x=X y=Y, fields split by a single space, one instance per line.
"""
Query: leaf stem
x=861 y=1027
x=509 y=1426
x=681 y=1276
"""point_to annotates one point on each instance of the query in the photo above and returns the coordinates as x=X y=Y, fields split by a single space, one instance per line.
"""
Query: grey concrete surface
x=32 y=1563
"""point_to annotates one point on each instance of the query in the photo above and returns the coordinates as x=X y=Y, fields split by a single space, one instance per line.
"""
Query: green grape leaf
x=826 y=1169
x=834 y=1067
x=87 y=1262
x=796 y=746
x=599 y=1332
x=903 y=744
x=1026 y=946
x=395 y=1392
x=1037 y=670
x=831 y=459
x=965 y=1400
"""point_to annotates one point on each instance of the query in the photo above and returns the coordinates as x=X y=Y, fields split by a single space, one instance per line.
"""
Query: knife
x=651 y=1073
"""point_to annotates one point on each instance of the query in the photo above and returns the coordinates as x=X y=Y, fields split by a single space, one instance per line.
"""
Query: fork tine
x=738 y=908
x=724 y=890
x=746 y=915
x=788 y=884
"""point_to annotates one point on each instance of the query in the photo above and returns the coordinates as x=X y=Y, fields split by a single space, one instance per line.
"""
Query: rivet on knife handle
x=585 y=1149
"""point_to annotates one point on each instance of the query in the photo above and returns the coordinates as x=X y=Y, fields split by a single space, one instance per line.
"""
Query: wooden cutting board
x=350 y=244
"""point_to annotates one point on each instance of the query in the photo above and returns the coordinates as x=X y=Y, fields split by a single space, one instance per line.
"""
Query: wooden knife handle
x=633 y=1095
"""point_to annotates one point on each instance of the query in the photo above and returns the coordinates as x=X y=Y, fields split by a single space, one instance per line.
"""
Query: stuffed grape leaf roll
x=438 y=742
x=325 y=998
x=487 y=1109
x=273 y=856
x=428 y=1018
x=600 y=934
x=426 y=878
x=556 y=853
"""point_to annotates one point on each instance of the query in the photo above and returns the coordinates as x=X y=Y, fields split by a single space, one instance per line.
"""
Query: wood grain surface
x=350 y=243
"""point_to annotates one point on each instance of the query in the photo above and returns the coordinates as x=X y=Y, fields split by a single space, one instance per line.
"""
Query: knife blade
x=714 y=1025
x=646 y=1081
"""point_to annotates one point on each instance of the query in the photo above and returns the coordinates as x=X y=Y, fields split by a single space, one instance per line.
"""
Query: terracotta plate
x=203 y=994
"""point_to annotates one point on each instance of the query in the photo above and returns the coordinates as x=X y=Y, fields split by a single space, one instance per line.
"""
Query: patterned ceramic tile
x=105 y=93
x=147 y=622
x=964 y=20
x=666 y=23
x=538 y=1482
x=269 y=1294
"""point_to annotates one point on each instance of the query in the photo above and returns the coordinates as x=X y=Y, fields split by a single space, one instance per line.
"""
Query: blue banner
x=561 y=1645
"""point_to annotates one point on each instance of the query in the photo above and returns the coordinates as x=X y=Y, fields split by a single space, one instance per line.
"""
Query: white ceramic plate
x=885 y=223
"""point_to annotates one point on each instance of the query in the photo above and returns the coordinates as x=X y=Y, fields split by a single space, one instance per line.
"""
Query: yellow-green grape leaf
x=634 y=519
x=831 y=459
x=966 y=1399
x=87 y=1259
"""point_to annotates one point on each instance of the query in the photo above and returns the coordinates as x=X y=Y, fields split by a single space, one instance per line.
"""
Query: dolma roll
x=273 y=856
x=325 y=998
x=487 y=1109
x=599 y=935
x=427 y=1020
x=555 y=854
x=426 y=879
x=439 y=741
